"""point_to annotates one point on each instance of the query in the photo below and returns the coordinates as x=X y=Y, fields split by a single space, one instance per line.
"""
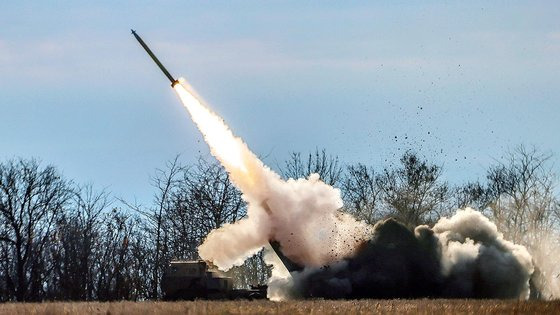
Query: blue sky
x=459 y=83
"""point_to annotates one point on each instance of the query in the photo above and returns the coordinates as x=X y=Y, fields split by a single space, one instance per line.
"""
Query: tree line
x=63 y=241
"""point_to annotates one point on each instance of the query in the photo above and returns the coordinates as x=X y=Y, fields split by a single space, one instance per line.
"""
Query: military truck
x=189 y=280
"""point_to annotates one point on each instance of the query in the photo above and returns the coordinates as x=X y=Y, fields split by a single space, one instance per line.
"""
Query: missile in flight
x=154 y=58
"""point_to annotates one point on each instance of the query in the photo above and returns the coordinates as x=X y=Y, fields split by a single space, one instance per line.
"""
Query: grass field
x=292 y=307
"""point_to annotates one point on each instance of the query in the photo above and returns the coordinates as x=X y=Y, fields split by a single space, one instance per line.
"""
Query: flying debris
x=155 y=59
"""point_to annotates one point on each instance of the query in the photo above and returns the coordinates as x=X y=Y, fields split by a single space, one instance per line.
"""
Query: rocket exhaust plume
x=303 y=213
x=461 y=256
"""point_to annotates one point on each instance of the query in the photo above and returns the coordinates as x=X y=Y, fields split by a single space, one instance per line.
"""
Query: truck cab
x=193 y=279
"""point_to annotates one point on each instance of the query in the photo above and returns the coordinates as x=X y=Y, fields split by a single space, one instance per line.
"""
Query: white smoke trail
x=303 y=214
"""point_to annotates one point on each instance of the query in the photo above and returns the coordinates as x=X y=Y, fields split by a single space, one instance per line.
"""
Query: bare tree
x=205 y=201
x=167 y=182
x=414 y=193
x=75 y=245
x=31 y=199
x=327 y=166
x=523 y=202
x=472 y=194
x=122 y=259
x=361 y=193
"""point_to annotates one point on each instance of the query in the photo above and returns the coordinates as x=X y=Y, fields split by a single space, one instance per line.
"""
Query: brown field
x=292 y=307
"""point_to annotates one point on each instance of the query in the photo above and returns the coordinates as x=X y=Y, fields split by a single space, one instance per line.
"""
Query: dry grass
x=292 y=307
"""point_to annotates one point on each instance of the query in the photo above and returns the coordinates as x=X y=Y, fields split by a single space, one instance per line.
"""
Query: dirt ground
x=291 y=307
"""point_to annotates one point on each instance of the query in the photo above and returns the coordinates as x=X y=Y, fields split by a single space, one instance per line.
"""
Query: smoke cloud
x=545 y=283
x=462 y=256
